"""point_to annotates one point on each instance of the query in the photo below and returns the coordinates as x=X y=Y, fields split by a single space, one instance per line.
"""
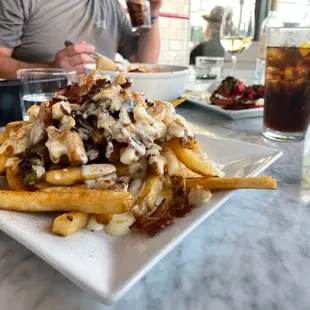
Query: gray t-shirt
x=37 y=29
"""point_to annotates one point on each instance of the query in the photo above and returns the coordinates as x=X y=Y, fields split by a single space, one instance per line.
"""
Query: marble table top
x=253 y=253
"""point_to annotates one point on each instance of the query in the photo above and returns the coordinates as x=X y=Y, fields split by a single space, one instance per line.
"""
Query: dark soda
x=287 y=89
x=139 y=12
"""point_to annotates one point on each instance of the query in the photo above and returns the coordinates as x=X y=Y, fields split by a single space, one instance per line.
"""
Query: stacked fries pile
x=107 y=157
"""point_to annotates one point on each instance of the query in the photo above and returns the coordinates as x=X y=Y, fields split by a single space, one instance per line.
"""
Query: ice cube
x=274 y=86
x=306 y=61
x=282 y=57
x=292 y=73
x=303 y=68
x=274 y=73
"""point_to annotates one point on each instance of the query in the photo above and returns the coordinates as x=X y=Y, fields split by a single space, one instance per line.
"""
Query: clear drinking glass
x=237 y=30
x=208 y=68
x=140 y=15
x=38 y=85
x=287 y=84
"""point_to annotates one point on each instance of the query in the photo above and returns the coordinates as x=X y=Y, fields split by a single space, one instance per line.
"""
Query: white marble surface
x=253 y=253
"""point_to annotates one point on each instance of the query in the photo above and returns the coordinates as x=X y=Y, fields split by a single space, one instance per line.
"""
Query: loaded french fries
x=107 y=157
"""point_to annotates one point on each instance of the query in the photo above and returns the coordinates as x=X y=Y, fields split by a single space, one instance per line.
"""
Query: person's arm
x=72 y=57
x=148 y=46
x=149 y=42
x=9 y=66
x=143 y=47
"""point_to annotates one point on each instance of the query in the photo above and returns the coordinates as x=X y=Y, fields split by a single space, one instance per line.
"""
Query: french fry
x=104 y=218
x=178 y=101
x=42 y=186
x=3 y=159
x=87 y=201
x=105 y=63
x=190 y=159
x=69 y=223
x=173 y=163
x=77 y=175
x=14 y=126
x=212 y=184
x=14 y=177
x=146 y=201
x=122 y=170
x=3 y=137
x=197 y=146
x=74 y=188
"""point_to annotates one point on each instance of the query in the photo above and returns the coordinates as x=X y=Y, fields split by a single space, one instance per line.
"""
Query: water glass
x=38 y=85
x=208 y=68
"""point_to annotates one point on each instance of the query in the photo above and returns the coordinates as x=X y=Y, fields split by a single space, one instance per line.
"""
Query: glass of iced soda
x=287 y=86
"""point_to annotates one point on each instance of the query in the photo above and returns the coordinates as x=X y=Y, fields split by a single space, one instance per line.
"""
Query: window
x=200 y=7
x=299 y=7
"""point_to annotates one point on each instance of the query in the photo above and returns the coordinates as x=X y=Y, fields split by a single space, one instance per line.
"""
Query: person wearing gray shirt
x=33 y=32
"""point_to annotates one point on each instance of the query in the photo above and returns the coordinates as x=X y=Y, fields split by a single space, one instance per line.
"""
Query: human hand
x=74 y=57
x=155 y=7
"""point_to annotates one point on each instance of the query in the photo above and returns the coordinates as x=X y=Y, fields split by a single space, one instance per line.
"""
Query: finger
x=80 y=48
x=80 y=59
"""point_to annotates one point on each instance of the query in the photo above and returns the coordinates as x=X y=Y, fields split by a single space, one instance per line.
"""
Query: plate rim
x=116 y=294
x=232 y=114
x=143 y=271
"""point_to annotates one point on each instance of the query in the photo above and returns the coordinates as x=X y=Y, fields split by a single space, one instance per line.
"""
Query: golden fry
x=190 y=159
x=14 y=177
x=146 y=201
x=3 y=159
x=104 y=218
x=74 y=188
x=87 y=201
x=65 y=177
x=122 y=170
x=178 y=101
x=69 y=223
x=263 y=182
x=3 y=137
x=77 y=175
x=173 y=163
x=14 y=126
x=105 y=63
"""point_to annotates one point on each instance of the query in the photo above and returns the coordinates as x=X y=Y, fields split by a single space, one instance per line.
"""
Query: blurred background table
x=253 y=253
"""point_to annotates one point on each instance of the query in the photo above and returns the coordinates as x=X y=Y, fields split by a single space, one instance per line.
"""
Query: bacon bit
x=155 y=223
x=64 y=111
x=128 y=83
x=179 y=200
x=62 y=91
x=98 y=85
x=188 y=142
x=97 y=135
x=45 y=115
x=185 y=211
x=117 y=147
x=73 y=93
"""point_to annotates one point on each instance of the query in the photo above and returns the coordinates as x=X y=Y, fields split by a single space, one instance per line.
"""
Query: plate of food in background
x=163 y=82
x=232 y=98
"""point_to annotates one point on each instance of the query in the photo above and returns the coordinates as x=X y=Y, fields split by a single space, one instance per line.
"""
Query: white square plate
x=232 y=114
x=107 y=266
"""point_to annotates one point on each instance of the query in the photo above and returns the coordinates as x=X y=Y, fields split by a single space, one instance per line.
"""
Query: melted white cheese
x=199 y=196
x=120 y=224
x=93 y=225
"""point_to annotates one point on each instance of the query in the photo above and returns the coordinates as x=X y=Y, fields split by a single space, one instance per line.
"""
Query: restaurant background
x=181 y=26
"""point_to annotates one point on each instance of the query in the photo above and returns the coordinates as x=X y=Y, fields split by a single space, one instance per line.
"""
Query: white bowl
x=167 y=85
